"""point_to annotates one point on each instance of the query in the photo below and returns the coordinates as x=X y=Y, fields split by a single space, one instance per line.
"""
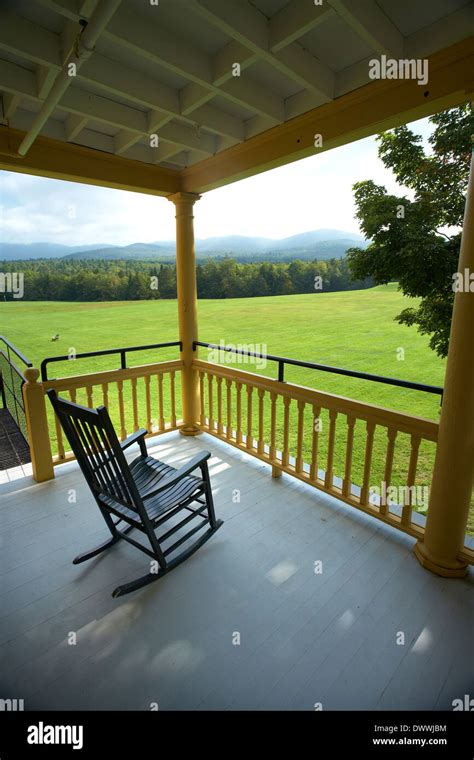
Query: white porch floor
x=305 y=637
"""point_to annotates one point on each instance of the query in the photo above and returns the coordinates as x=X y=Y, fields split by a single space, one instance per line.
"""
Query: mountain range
x=316 y=244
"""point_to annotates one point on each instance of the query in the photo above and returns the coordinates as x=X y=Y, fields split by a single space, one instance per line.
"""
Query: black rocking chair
x=144 y=494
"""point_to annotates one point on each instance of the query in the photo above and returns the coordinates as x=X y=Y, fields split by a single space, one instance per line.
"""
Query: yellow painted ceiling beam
x=380 y=105
x=62 y=160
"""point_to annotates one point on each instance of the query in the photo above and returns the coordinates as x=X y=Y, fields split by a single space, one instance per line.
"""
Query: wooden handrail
x=379 y=415
x=111 y=376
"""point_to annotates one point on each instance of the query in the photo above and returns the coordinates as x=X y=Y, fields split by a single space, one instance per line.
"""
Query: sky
x=310 y=194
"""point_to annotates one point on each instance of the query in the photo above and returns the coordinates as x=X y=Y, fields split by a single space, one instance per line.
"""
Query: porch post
x=187 y=307
x=37 y=426
x=451 y=488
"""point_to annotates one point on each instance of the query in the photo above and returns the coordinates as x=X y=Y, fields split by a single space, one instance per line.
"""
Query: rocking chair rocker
x=144 y=494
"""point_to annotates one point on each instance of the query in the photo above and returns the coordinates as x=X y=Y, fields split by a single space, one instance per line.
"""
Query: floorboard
x=246 y=623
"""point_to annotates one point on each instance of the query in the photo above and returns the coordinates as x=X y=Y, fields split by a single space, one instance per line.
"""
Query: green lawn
x=350 y=329
x=355 y=330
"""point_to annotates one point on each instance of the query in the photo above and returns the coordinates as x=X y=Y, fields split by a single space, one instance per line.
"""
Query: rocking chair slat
x=144 y=494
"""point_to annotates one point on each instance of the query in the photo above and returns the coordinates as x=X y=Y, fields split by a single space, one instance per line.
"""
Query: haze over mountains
x=317 y=244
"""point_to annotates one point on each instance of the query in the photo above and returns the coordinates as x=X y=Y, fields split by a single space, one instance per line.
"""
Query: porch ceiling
x=167 y=69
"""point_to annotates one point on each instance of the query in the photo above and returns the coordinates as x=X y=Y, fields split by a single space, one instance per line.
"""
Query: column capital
x=184 y=198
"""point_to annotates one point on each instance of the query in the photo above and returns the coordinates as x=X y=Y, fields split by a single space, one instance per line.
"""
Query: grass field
x=352 y=329
x=355 y=330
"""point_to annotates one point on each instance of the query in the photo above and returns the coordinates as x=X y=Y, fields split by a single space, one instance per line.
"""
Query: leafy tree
x=115 y=280
x=416 y=241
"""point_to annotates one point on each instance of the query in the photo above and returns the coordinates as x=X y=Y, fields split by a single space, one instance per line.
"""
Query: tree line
x=102 y=280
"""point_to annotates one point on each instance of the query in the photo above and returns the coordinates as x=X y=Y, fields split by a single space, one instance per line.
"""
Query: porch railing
x=122 y=352
x=283 y=361
x=12 y=366
x=148 y=396
x=374 y=459
x=300 y=431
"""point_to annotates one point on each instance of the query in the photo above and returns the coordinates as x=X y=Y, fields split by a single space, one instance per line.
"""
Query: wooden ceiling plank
x=382 y=104
x=367 y=19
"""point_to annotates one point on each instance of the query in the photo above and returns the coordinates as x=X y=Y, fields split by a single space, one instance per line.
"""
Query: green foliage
x=103 y=280
x=416 y=242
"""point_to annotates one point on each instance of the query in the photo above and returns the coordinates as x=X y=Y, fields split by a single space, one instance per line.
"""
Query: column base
x=43 y=477
x=276 y=473
x=457 y=569
x=190 y=430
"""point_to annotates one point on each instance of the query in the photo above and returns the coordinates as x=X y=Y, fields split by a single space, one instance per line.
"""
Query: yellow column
x=37 y=425
x=187 y=307
x=451 y=488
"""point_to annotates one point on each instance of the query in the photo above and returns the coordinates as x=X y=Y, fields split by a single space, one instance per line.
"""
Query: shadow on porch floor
x=305 y=637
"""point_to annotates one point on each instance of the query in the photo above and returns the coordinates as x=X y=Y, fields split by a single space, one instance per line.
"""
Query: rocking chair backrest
x=94 y=442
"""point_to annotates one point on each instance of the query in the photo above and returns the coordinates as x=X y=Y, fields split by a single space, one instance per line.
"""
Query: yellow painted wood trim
x=452 y=480
x=75 y=163
x=405 y=423
x=37 y=426
x=416 y=531
x=111 y=376
x=467 y=555
x=372 y=108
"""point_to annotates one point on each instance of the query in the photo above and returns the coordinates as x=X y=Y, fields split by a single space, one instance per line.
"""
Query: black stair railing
x=12 y=380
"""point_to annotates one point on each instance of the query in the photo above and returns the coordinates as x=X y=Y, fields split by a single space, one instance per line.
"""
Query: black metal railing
x=282 y=361
x=11 y=383
x=107 y=352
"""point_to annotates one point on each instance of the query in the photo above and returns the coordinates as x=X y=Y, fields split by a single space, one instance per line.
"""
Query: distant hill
x=317 y=244
x=320 y=244
x=13 y=251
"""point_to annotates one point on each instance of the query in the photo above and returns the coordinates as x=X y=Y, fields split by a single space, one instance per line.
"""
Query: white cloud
x=309 y=194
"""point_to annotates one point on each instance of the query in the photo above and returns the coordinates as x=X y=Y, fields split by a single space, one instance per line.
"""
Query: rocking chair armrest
x=195 y=462
x=137 y=437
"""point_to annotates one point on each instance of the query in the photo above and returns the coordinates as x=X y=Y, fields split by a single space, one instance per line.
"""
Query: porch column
x=451 y=488
x=37 y=426
x=187 y=307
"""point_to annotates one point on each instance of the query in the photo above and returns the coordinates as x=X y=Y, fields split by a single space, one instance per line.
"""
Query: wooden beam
x=371 y=24
x=377 y=106
x=41 y=44
x=52 y=158
x=294 y=20
x=250 y=30
x=109 y=75
x=74 y=125
x=240 y=21
x=10 y=104
x=17 y=80
x=67 y=8
x=132 y=32
x=88 y=105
